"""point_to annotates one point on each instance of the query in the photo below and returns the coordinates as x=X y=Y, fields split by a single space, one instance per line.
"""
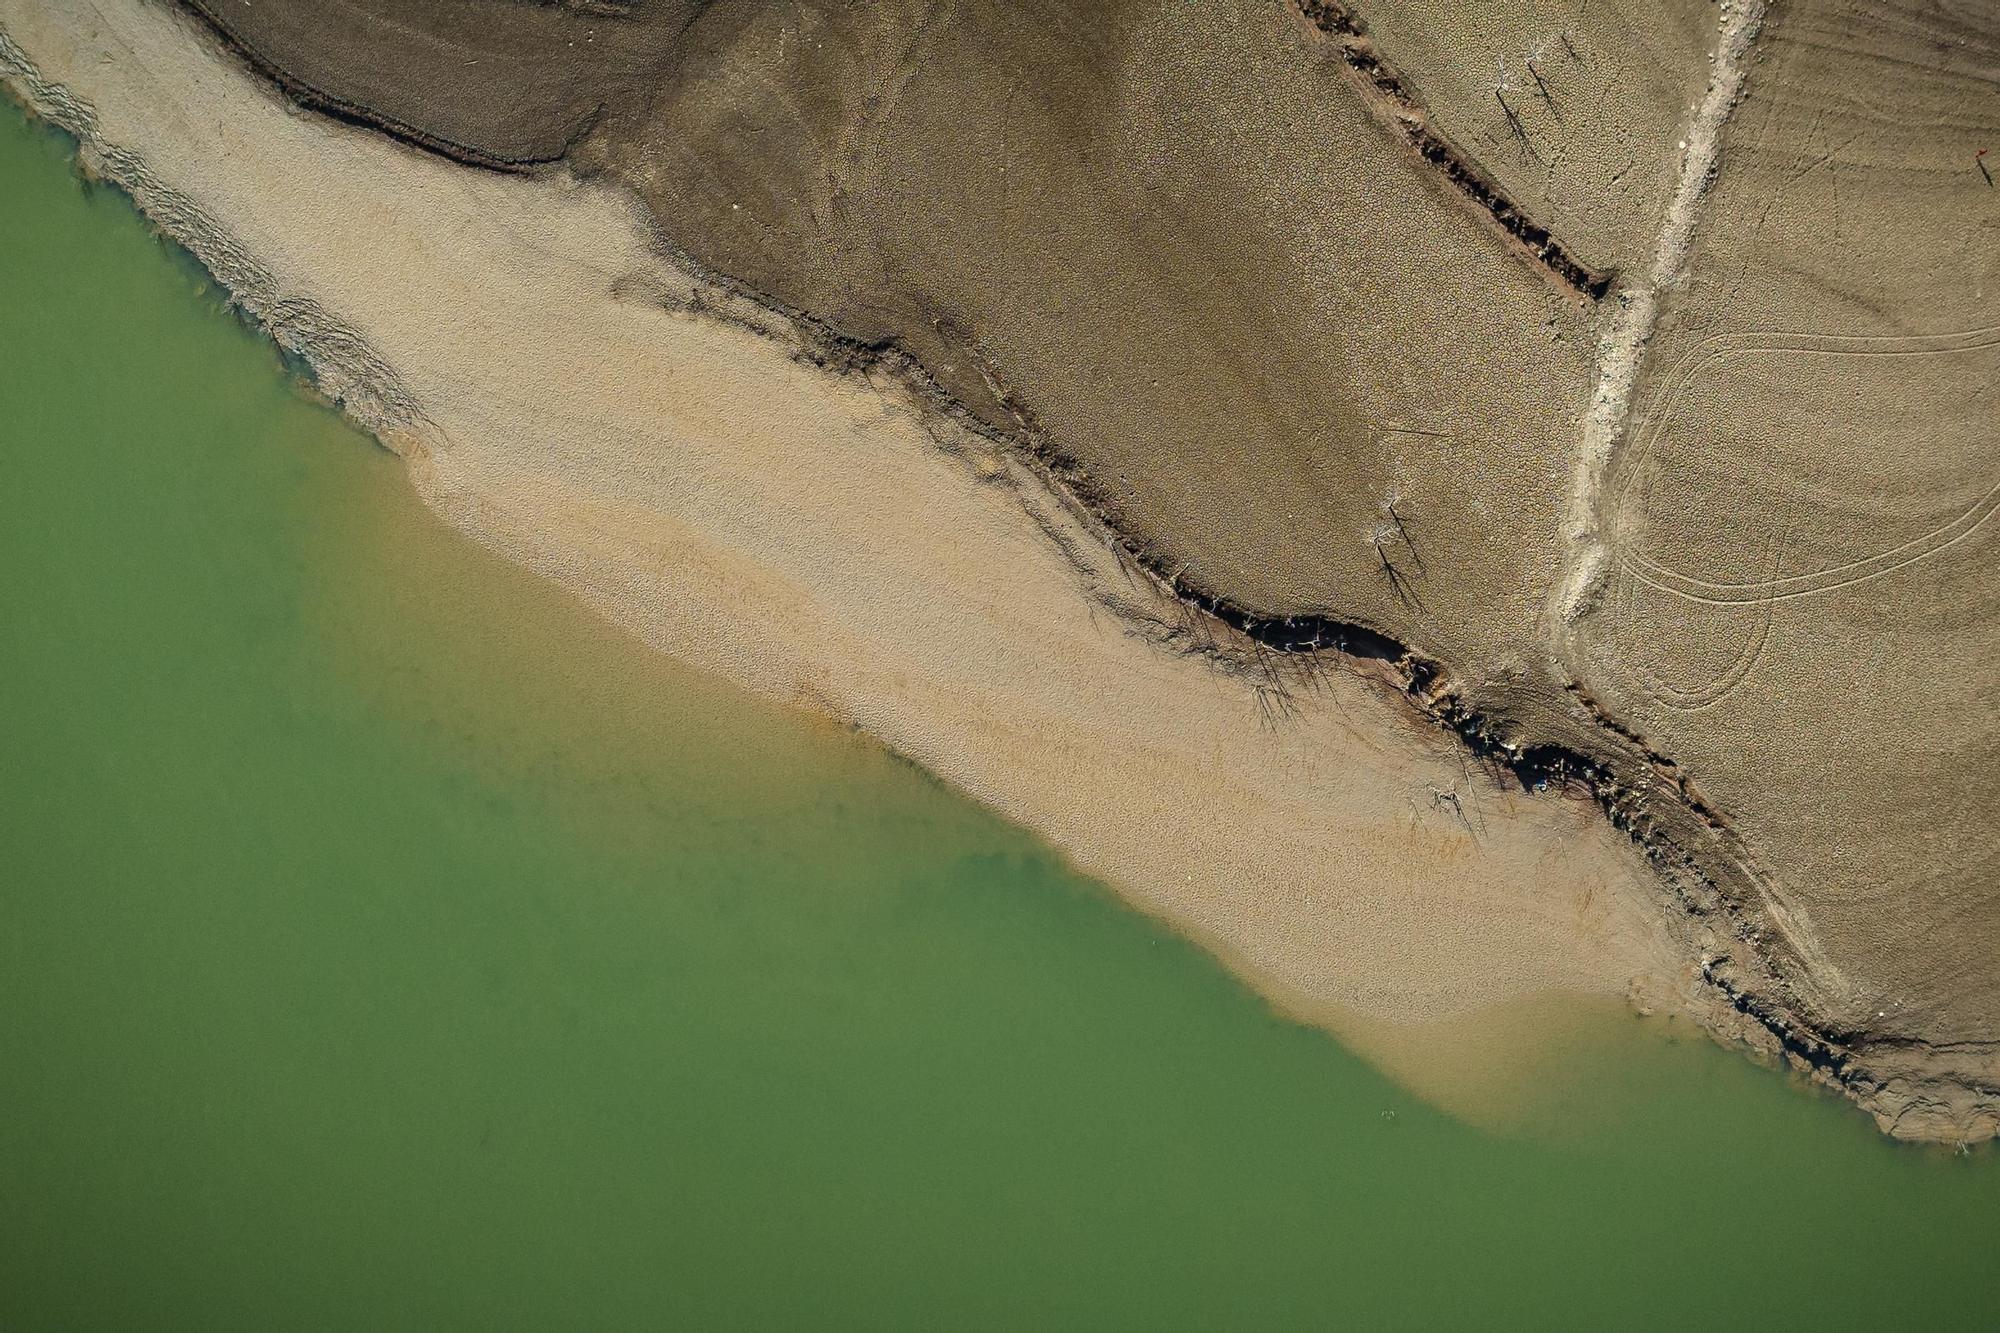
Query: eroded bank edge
x=342 y=364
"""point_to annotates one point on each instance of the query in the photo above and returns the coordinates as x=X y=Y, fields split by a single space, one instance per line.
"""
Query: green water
x=385 y=945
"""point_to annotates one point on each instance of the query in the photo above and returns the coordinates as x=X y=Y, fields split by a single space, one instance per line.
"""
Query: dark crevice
x=1298 y=634
x=1816 y=1054
x=1392 y=93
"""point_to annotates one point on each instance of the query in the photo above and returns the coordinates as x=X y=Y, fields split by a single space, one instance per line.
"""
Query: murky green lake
x=384 y=944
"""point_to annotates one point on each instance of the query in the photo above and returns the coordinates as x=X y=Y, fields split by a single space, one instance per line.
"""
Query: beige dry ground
x=822 y=540
x=1177 y=286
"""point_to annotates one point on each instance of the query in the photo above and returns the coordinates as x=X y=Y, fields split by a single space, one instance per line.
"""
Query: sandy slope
x=524 y=346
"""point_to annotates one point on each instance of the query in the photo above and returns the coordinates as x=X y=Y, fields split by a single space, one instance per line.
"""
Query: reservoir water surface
x=384 y=943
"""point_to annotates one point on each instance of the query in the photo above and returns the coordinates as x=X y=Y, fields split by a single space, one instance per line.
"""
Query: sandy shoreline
x=819 y=540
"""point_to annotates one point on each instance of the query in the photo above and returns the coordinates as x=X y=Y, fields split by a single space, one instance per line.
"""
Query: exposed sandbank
x=814 y=537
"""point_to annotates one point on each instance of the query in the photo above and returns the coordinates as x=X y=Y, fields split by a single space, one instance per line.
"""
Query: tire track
x=1699 y=362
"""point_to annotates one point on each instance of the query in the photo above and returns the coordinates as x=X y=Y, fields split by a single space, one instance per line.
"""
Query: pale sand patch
x=814 y=538
x=1523 y=1066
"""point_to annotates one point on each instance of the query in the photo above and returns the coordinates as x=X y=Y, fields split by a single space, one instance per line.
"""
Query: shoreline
x=1055 y=684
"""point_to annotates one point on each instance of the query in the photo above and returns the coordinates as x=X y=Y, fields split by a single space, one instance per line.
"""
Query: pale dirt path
x=1622 y=352
x=807 y=536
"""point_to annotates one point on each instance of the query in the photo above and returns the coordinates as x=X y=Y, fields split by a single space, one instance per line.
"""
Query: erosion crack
x=1390 y=96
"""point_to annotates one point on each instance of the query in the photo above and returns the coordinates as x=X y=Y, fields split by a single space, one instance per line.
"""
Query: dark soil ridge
x=1710 y=876
x=354 y=113
x=1390 y=95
